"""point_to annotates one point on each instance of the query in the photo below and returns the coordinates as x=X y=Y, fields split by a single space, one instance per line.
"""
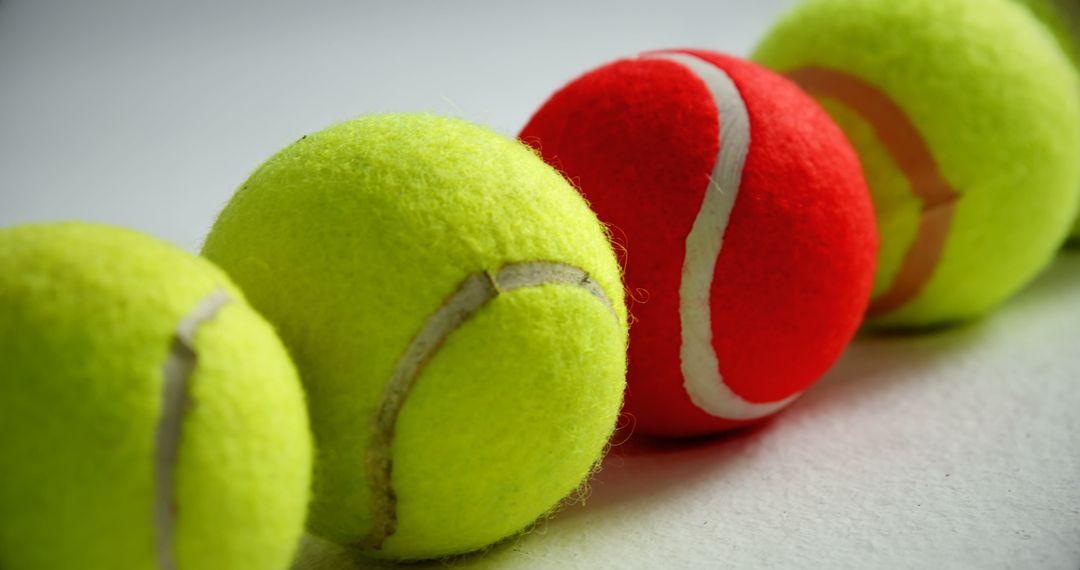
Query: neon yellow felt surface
x=89 y=314
x=998 y=106
x=896 y=208
x=1062 y=19
x=350 y=239
x=438 y=448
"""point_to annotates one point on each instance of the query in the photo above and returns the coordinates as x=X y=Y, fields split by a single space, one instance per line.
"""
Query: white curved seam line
x=175 y=400
x=702 y=379
x=475 y=291
x=535 y=273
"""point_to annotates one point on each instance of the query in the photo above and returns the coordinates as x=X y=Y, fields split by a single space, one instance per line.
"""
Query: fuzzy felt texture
x=1062 y=19
x=640 y=138
x=997 y=104
x=89 y=314
x=350 y=240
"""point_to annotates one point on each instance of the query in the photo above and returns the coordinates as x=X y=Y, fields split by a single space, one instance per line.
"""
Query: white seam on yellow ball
x=475 y=291
x=175 y=399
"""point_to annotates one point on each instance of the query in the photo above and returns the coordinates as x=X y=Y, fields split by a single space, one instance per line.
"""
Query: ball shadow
x=639 y=468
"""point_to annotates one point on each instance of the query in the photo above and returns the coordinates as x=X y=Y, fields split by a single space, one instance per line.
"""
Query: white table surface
x=953 y=450
x=958 y=449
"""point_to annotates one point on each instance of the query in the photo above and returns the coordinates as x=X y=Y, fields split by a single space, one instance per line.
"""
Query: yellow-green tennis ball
x=1062 y=19
x=149 y=418
x=966 y=117
x=456 y=313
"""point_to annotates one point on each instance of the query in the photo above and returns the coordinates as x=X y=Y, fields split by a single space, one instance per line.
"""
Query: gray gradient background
x=959 y=449
x=148 y=114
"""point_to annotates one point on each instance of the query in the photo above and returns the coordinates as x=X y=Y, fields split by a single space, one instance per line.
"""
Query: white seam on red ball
x=175 y=400
x=700 y=366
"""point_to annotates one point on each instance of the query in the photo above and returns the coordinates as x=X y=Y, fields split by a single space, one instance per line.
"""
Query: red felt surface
x=639 y=138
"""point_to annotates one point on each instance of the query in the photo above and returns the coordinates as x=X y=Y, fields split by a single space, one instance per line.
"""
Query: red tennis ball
x=748 y=226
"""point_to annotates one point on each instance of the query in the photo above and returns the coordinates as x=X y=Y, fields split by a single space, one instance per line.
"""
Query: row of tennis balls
x=455 y=311
x=369 y=243
x=745 y=211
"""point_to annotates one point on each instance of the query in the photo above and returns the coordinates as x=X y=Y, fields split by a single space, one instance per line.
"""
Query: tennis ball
x=748 y=225
x=967 y=119
x=456 y=313
x=1062 y=19
x=150 y=418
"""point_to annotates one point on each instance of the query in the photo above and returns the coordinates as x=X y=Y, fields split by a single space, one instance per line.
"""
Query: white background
x=958 y=449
